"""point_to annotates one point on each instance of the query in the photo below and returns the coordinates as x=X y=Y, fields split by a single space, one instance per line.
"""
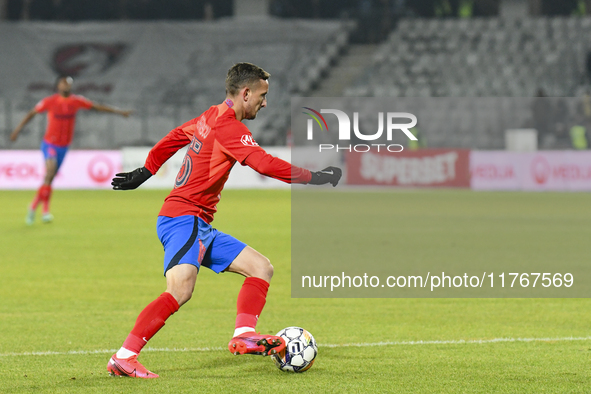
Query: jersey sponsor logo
x=203 y=128
x=247 y=140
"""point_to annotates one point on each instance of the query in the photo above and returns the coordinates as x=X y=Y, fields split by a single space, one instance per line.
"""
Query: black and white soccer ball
x=300 y=350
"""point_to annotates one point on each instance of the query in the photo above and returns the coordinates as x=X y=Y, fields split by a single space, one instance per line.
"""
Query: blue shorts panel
x=190 y=240
x=223 y=250
x=50 y=151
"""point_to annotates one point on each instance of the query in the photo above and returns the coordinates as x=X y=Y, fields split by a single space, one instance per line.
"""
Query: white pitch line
x=458 y=342
x=328 y=345
x=111 y=351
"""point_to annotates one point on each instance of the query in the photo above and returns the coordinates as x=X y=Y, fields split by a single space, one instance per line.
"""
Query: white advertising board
x=539 y=171
x=84 y=169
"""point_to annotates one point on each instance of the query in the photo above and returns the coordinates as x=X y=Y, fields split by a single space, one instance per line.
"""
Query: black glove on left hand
x=131 y=180
x=330 y=175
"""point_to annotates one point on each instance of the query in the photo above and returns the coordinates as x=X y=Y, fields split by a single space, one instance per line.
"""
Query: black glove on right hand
x=330 y=175
x=131 y=180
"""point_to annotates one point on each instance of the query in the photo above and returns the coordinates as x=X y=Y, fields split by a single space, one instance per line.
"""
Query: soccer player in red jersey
x=217 y=139
x=61 y=111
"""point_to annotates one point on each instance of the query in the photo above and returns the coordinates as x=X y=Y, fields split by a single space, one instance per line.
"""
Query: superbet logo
x=345 y=129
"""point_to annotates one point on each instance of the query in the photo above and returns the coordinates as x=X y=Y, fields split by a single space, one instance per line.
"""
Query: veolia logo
x=100 y=169
x=541 y=170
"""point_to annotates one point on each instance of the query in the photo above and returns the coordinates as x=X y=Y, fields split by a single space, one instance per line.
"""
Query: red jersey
x=61 y=116
x=217 y=141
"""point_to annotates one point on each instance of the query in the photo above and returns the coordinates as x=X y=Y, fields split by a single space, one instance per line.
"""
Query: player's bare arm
x=113 y=110
x=30 y=115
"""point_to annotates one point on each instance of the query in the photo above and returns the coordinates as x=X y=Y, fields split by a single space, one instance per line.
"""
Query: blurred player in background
x=61 y=109
x=217 y=139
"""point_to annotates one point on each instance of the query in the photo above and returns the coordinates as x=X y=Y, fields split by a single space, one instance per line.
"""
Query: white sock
x=125 y=353
x=242 y=330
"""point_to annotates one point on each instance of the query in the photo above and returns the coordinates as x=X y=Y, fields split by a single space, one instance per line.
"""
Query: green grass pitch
x=73 y=289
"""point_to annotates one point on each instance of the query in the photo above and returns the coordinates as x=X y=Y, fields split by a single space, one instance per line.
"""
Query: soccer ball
x=300 y=350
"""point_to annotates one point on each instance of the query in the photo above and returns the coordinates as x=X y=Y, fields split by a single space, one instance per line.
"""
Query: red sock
x=41 y=195
x=251 y=300
x=150 y=321
x=45 y=198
